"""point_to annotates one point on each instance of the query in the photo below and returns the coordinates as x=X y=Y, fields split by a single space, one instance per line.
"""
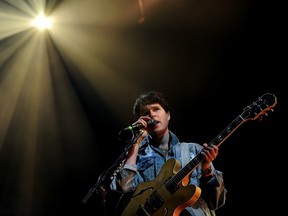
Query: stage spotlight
x=42 y=22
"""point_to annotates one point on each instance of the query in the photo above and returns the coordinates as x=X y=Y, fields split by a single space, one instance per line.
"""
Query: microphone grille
x=152 y=123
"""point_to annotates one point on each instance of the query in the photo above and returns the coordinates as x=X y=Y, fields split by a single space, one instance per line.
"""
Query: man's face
x=157 y=112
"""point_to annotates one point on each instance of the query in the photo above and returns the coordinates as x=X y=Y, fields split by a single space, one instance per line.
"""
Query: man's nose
x=152 y=114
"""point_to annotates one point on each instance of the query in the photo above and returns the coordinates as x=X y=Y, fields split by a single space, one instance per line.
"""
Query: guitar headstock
x=257 y=109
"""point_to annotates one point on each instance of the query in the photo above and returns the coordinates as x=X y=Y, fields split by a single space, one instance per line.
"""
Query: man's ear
x=168 y=116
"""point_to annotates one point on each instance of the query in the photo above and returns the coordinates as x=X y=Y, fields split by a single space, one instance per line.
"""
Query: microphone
x=139 y=126
x=127 y=133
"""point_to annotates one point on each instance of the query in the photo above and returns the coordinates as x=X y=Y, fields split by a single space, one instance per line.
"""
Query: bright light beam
x=42 y=22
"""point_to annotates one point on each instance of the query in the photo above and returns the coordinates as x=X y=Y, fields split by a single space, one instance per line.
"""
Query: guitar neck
x=254 y=111
x=218 y=140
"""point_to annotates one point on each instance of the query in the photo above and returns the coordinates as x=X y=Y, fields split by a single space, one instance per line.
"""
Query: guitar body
x=171 y=203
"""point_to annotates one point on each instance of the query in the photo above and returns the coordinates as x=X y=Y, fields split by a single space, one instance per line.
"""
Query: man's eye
x=156 y=109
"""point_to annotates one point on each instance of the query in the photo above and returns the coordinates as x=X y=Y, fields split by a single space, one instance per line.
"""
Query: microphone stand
x=102 y=184
x=100 y=188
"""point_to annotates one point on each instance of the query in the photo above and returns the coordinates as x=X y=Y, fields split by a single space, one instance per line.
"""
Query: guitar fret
x=227 y=131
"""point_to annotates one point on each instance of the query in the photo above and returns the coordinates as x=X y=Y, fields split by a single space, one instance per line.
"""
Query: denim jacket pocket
x=145 y=163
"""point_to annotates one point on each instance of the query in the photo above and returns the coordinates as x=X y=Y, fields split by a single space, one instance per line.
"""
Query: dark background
x=210 y=58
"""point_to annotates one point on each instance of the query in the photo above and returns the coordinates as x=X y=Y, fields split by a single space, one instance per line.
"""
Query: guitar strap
x=185 y=158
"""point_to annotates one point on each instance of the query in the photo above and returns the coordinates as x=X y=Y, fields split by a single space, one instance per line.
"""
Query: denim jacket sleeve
x=126 y=180
x=213 y=190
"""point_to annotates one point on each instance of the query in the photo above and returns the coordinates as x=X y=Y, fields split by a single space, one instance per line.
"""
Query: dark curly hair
x=147 y=98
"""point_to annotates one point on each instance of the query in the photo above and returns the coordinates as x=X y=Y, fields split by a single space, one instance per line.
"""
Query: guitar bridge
x=151 y=205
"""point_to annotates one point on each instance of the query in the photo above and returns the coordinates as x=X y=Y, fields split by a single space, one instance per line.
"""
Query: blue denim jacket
x=150 y=161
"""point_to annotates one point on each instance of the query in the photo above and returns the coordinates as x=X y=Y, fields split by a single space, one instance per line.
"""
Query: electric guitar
x=166 y=194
